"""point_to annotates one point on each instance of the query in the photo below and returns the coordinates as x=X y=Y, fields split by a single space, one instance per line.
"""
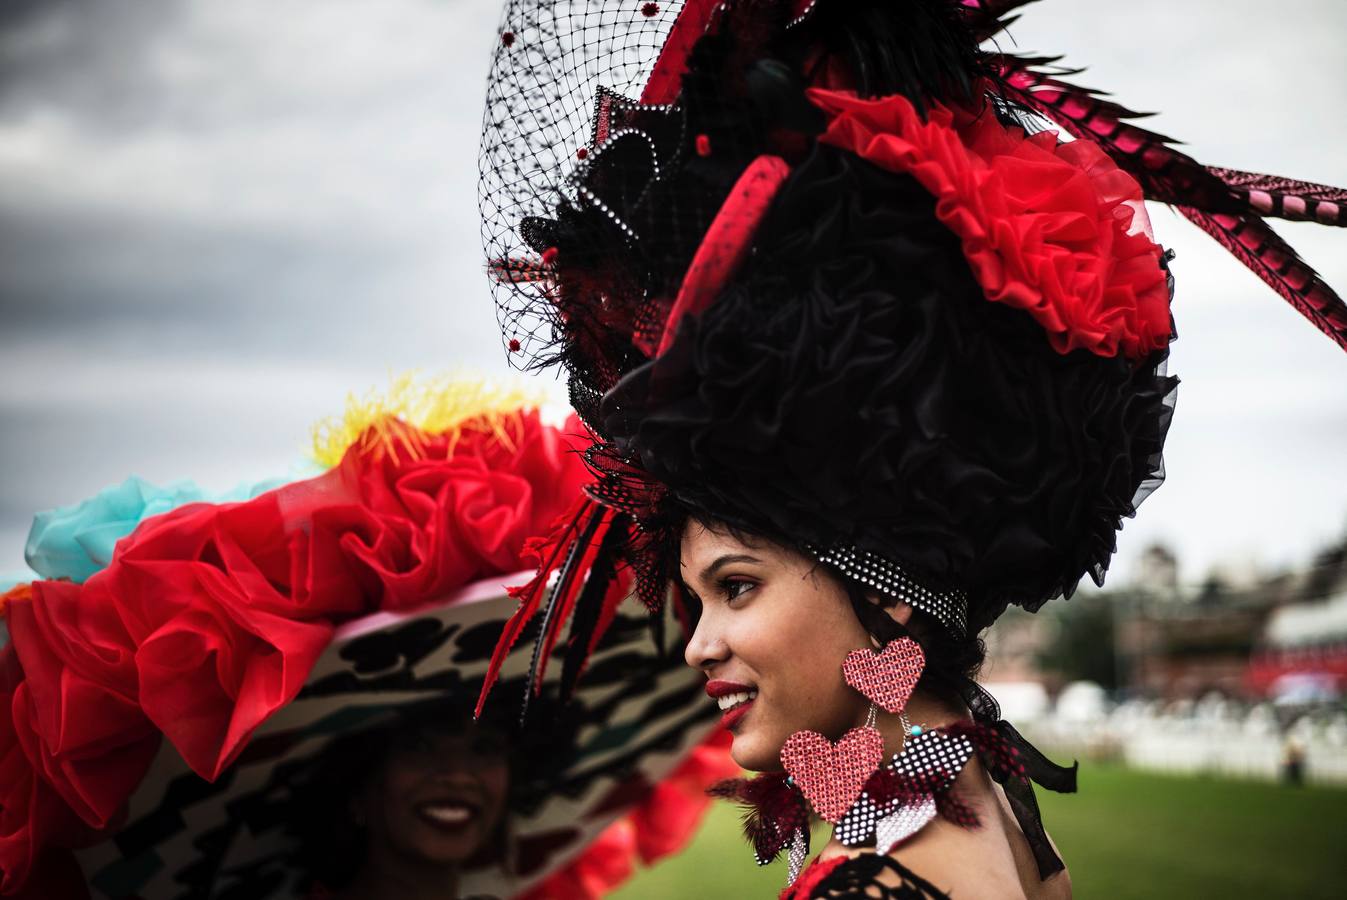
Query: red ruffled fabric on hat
x=209 y=618
x=661 y=825
x=1057 y=230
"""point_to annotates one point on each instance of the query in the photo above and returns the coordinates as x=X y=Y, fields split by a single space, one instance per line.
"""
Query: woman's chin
x=754 y=754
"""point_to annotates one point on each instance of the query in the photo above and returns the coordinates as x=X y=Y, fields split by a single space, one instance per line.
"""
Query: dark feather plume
x=773 y=810
x=988 y=18
x=923 y=49
x=570 y=581
x=549 y=552
x=587 y=620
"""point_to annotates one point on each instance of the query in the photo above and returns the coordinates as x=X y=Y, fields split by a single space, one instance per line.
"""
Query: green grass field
x=1126 y=835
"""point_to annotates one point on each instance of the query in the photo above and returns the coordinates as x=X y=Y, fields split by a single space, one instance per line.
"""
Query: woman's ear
x=897 y=611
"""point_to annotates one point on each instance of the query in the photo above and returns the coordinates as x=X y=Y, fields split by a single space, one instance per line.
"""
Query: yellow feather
x=395 y=421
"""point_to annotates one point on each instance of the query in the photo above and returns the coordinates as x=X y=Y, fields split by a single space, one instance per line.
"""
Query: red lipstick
x=719 y=689
x=715 y=688
x=732 y=716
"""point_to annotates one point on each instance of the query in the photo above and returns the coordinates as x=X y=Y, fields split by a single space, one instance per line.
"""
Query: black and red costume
x=831 y=273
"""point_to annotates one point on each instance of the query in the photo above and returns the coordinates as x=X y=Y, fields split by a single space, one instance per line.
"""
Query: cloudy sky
x=218 y=218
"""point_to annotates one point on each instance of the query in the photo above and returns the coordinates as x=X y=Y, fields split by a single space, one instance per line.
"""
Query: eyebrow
x=721 y=561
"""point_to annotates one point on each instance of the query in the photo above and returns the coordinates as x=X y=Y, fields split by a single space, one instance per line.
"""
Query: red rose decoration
x=35 y=823
x=1057 y=230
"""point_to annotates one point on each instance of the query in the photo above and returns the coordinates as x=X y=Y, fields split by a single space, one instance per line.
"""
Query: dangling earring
x=845 y=782
x=833 y=776
x=886 y=678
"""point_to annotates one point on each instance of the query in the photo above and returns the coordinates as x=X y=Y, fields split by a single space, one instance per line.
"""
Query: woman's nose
x=705 y=648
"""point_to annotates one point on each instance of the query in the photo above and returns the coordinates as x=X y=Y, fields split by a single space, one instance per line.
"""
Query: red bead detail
x=549 y=256
x=650 y=9
x=514 y=345
x=703 y=145
x=581 y=153
x=507 y=38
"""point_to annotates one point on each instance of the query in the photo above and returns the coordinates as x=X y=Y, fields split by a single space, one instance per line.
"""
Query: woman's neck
x=923 y=709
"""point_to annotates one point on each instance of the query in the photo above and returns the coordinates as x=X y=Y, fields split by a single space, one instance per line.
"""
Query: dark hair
x=952 y=661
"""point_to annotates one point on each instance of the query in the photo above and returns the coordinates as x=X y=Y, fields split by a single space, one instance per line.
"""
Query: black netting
x=603 y=162
x=553 y=64
x=838 y=388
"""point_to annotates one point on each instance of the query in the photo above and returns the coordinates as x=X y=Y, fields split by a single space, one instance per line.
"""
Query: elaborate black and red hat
x=832 y=273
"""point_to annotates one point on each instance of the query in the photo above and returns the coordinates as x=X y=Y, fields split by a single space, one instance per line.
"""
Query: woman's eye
x=735 y=588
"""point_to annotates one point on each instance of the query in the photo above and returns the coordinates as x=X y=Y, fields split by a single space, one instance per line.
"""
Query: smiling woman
x=771 y=631
x=871 y=328
x=401 y=810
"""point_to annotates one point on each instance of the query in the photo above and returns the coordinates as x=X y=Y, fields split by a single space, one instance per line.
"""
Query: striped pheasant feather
x=1253 y=242
x=1286 y=198
x=1227 y=204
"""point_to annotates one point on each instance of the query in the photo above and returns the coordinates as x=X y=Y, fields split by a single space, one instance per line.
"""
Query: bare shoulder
x=993 y=861
x=971 y=864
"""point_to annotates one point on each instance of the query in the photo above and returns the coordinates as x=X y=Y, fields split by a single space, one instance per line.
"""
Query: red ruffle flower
x=1057 y=230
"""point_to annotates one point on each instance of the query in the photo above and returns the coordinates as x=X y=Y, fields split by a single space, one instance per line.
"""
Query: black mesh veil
x=553 y=64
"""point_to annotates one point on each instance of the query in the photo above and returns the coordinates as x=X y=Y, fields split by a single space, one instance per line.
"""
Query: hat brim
x=636 y=718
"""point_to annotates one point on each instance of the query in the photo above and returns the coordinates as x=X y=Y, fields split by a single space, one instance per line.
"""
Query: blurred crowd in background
x=1241 y=672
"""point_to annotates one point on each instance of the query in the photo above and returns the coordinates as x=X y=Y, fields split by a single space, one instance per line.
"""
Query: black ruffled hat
x=831 y=273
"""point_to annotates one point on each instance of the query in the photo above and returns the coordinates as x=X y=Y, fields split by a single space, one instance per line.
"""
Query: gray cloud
x=217 y=218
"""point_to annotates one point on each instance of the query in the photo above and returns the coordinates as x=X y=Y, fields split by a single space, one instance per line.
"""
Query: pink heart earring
x=886 y=678
x=832 y=776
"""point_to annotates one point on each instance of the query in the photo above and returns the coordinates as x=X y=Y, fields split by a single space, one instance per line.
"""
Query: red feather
x=773 y=811
x=1286 y=198
x=951 y=806
x=549 y=553
x=579 y=560
x=1253 y=242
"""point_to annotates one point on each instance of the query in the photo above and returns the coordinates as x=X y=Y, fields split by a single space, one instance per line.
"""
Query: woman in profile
x=871 y=349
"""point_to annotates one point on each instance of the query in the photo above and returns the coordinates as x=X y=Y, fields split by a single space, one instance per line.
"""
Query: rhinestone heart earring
x=886 y=678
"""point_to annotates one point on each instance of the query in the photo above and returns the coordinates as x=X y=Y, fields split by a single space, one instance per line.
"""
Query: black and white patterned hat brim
x=641 y=711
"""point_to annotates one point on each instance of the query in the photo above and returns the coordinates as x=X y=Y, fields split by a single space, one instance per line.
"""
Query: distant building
x=1238 y=632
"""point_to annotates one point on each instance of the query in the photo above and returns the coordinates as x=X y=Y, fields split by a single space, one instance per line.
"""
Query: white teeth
x=729 y=701
x=447 y=815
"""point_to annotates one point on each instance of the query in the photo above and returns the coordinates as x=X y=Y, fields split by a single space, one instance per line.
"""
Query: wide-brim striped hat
x=164 y=707
x=633 y=720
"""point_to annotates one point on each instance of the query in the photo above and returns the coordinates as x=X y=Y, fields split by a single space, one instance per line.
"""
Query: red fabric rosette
x=1055 y=229
x=210 y=617
x=670 y=816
